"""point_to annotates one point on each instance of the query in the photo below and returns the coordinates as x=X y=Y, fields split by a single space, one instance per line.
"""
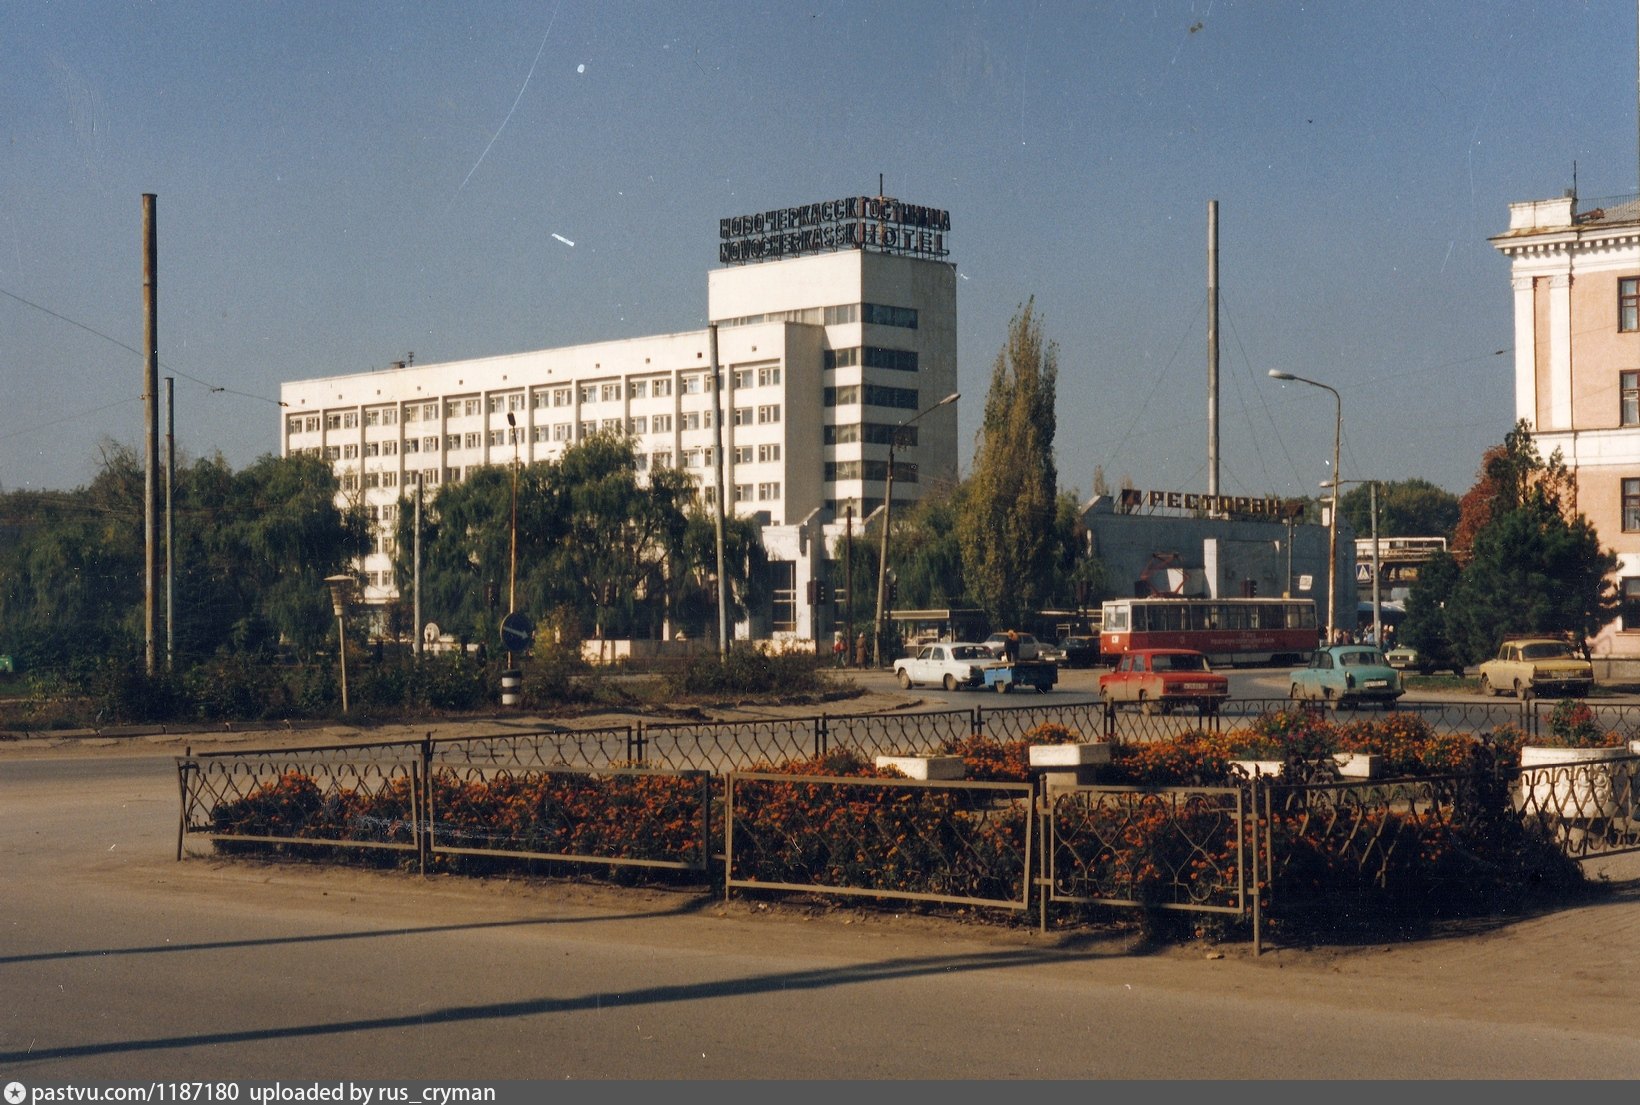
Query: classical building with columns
x=1575 y=270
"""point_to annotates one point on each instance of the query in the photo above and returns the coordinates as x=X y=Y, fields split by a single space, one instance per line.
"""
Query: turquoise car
x=1346 y=675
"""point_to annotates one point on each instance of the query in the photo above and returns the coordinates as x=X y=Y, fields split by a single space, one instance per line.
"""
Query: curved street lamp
x=888 y=506
x=1332 y=524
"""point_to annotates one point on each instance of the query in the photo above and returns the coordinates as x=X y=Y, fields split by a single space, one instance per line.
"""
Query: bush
x=1572 y=725
x=748 y=670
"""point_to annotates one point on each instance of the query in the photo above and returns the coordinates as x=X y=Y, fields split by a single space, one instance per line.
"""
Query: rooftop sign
x=879 y=223
x=1133 y=499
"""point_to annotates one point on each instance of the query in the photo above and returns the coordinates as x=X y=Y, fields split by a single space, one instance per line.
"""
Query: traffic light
x=893 y=591
x=822 y=592
x=813 y=592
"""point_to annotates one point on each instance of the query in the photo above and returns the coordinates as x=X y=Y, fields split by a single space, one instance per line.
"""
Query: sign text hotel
x=859 y=222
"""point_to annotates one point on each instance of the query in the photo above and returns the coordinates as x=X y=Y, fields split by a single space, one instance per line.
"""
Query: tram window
x=1116 y=619
x=1198 y=616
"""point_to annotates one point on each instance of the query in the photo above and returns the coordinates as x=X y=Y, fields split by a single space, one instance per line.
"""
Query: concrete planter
x=1359 y=765
x=1267 y=769
x=1575 y=784
x=1070 y=755
x=924 y=767
x=1068 y=765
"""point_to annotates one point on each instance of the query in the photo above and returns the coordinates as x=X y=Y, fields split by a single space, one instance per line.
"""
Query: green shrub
x=748 y=671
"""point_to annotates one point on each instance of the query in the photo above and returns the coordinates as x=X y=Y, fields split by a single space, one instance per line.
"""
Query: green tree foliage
x=1406 y=508
x=927 y=554
x=1530 y=563
x=251 y=550
x=1006 y=528
x=600 y=551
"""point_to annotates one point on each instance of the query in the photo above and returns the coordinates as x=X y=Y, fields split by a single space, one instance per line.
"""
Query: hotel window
x=841 y=358
x=1628 y=303
x=515 y=401
x=498 y=437
x=350 y=482
x=689 y=420
x=562 y=397
x=373 y=418
x=561 y=431
x=783 y=595
x=1631 y=604
x=900 y=360
x=880 y=315
x=661 y=424
x=538 y=434
x=769 y=412
x=333 y=421
x=842 y=313
x=412 y=413
x=903 y=398
x=661 y=458
x=470 y=407
x=372 y=449
x=638 y=425
x=743 y=378
x=413 y=445
x=389 y=479
x=691 y=458
x=768 y=491
x=588 y=393
x=742 y=416
x=350 y=452
x=638 y=389
x=640 y=461
x=389 y=512
x=496 y=404
x=390 y=448
x=767 y=453
x=313 y=423
x=743 y=454
x=372 y=479
x=587 y=430
x=843 y=397
x=473 y=440
x=743 y=492
x=842 y=434
x=452 y=441
x=1630 y=388
x=610 y=425
x=1631 y=506
x=609 y=393
x=662 y=388
x=693 y=385
x=296 y=425
x=350 y=420
x=767 y=377
x=452 y=409
x=390 y=416
x=333 y=452
x=429 y=444
x=540 y=399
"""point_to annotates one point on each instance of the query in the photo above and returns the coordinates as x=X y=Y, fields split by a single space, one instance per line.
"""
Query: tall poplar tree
x=1006 y=530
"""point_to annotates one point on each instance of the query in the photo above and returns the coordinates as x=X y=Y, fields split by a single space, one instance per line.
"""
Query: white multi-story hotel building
x=823 y=350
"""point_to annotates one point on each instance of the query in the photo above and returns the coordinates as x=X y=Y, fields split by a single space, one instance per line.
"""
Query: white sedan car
x=951 y=664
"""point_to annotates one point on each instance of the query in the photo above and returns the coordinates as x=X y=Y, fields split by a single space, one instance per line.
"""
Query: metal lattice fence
x=963 y=843
x=1586 y=805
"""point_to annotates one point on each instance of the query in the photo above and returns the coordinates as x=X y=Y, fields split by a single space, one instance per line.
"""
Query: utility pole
x=718 y=514
x=415 y=575
x=848 y=580
x=1213 y=350
x=170 y=515
x=150 y=407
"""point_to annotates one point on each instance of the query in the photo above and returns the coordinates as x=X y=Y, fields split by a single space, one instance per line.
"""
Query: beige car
x=1536 y=666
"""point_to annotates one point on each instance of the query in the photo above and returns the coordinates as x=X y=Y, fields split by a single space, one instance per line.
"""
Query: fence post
x=424 y=816
x=1252 y=795
x=822 y=737
x=637 y=752
x=979 y=721
x=184 y=765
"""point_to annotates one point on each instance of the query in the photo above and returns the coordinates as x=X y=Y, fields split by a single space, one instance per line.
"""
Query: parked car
x=1407 y=658
x=1080 y=652
x=1346 y=675
x=1029 y=646
x=1161 y=679
x=1529 y=666
x=1051 y=654
x=949 y=664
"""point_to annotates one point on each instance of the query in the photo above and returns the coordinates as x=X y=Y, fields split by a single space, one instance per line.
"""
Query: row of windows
x=873 y=395
x=872 y=356
x=877 y=314
x=872 y=433
x=868 y=470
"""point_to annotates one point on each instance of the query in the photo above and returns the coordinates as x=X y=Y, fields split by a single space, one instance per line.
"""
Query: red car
x=1159 y=679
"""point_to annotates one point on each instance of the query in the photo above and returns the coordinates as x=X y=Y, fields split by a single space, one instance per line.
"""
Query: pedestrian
x=837 y=648
x=1010 y=646
x=860 y=650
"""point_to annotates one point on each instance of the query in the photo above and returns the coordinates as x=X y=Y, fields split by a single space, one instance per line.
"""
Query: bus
x=1228 y=630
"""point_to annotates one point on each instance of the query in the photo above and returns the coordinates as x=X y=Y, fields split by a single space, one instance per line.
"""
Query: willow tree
x=1006 y=530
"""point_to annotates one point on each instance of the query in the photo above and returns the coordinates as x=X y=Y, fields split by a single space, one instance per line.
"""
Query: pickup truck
x=1002 y=676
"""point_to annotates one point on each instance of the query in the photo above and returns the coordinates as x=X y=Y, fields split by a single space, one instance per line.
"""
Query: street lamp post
x=888 y=506
x=341 y=595
x=1377 y=603
x=1332 y=523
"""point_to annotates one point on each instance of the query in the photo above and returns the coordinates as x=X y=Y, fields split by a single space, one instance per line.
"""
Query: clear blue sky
x=340 y=184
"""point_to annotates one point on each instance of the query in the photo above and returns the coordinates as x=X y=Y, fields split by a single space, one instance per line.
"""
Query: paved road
x=118 y=963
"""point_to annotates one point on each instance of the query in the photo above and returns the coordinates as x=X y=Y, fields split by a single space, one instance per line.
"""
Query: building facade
x=1576 y=280
x=825 y=344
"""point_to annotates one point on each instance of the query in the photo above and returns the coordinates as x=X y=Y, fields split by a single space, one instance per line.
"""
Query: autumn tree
x=1406 y=508
x=1005 y=530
